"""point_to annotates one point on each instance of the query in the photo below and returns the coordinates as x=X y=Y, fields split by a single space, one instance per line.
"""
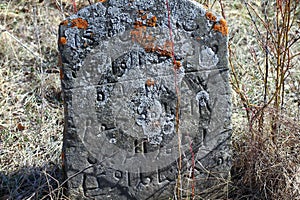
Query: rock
x=145 y=105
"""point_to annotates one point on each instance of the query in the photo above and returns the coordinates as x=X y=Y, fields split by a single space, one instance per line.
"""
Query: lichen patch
x=152 y=21
x=63 y=40
x=221 y=27
x=150 y=82
x=79 y=23
x=210 y=16
x=64 y=23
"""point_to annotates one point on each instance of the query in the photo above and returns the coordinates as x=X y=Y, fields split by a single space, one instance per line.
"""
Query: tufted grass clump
x=265 y=63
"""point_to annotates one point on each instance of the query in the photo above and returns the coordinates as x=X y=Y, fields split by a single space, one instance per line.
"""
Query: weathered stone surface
x=132 y=94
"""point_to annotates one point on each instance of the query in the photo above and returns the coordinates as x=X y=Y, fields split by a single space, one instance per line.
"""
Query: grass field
x=265 y=77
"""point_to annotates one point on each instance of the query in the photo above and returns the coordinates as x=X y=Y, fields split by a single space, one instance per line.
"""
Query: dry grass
x=266 y=97
x=264 y=169
x=266 y=111
x=31 y=113
x=31 y=110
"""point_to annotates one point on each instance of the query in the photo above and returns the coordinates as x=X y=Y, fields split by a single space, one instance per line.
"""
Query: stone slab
x=132 y=94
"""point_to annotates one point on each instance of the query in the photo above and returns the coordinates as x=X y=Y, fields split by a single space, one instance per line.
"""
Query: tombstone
x=147 y=101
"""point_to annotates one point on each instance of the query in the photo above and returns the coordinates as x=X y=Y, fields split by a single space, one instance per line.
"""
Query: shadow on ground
x=33 y=183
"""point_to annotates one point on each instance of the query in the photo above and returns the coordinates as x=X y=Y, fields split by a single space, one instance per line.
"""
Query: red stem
x=74 y=6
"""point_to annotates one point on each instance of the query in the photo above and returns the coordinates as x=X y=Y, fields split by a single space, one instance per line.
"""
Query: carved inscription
x=137 y=99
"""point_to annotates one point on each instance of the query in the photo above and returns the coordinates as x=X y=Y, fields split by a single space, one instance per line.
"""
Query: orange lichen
x=144 y=17
x=223 y=22
x=140 y=12
x=222 y=27
x=211 y=16
x=149 y=47
x=168 y=45
x=64 y=23
x=149 y=38
x=166 y=50
x=163 y=52
x=137 y=35
x=217 y=27
x=79 y=23
x=102 y=1
x=177 y=64
x=138 y=24
x=152 y=21
x=63 y=40
x=148 y=43
x=140 y=35
x=150 y=82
